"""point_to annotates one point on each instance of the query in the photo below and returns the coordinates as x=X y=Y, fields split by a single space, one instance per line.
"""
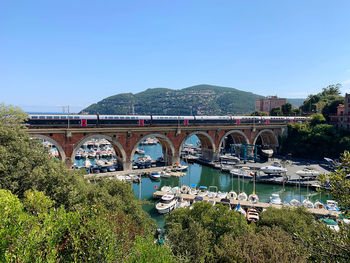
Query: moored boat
x=294 y=202
x=242 y=197
x=232 y=195
x=274 y=168
x=182 y=203
x=166 y=204
x=240 y=172
x=307 y=172
x=193 y=190
x=332 y=205
x=184 y=189
x=165 y=189
x=154 y=176
x=319 y=205
x=202 y=191
x=253 y=198
x=252 y=214
x=307 y=203
x=275 y=199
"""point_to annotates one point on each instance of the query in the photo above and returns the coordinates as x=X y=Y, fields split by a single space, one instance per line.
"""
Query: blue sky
x=55 y=53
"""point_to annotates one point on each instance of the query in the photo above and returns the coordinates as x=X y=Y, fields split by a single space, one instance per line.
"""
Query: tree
x=276 y=112
x=266 y=245
x=194 y=233
x=317 y=118
x=339 y=182
x=259 y=113
x=287 y=109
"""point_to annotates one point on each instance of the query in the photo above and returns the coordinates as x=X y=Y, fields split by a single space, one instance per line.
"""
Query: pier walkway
x=259 y=205
x=136 y=172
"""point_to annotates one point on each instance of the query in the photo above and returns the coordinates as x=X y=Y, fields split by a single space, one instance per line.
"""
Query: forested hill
x=195 y=100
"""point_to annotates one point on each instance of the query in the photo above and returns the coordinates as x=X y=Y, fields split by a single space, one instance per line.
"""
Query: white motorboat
x=202 y=191
x=87 y=163
x=240 y=172
x=182 y=203
x=165 y=189
x=166 y=204
x=275 y=199
x=253 y=198
x=165 y=174
x=308 y=172
x=294 y=202
x=307 y=203
x=267 y=152
x=128 y=178
x=154 y=176
x=140 y=151
x=275 y=168
x=193 y=190
x=232 y=195
x=184 y=189
x=175 y=190
x=229 y=158
x=212 y=192
x=332 y=205
x=222 y=195
x=179 y=168
x=242 y=197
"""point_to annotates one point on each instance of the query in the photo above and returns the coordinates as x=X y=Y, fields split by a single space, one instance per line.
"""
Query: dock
x=259 y=205
x=136 y=172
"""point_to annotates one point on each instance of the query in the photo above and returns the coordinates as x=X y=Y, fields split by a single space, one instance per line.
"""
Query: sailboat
x=253 y=197
x=242 y=196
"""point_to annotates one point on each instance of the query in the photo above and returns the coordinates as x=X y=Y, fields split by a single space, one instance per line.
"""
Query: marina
x=294 y=182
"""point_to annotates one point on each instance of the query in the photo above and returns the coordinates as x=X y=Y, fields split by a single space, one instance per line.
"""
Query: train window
x=34 y=117
x=76 y=117
x=63 y=117
x=48 y=117
x=110 y=117
x=121 y=117
x=70 y=117
x=41 y=117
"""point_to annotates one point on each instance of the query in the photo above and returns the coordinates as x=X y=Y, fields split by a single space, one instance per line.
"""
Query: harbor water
x=207 y=176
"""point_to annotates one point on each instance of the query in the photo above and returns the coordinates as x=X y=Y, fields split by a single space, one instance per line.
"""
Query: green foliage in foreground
x=35 y=231
x=339 y=183
x=50 y=214
x=216 y=234
x=315 y=140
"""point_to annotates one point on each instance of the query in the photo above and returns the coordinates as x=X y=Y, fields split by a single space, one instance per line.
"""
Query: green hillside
x=195 y=100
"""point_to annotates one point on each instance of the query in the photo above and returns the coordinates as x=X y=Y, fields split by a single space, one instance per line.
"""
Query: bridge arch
x=237 y=135
x=268 y=138
x=167 y=147
x=207 y=143
x=55 y=143
x=118 y=148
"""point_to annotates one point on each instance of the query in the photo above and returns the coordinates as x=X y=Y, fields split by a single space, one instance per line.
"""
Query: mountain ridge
x=200 y=99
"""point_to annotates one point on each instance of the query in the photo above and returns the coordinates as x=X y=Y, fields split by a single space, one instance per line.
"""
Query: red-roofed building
x=342 y=118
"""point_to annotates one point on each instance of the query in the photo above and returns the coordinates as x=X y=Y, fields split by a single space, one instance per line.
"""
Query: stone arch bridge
x=126 y=139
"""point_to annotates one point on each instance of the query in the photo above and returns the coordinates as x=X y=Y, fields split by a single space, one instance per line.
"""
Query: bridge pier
x=127 y=165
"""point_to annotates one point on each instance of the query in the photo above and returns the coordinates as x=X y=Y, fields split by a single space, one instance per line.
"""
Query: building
x=268 y=103
x=342 y=118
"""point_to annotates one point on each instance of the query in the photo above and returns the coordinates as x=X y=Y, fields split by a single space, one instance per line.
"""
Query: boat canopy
x=203 y=187
x=193 y=185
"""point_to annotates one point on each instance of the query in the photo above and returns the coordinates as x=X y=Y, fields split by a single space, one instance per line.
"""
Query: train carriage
x=79 y=121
